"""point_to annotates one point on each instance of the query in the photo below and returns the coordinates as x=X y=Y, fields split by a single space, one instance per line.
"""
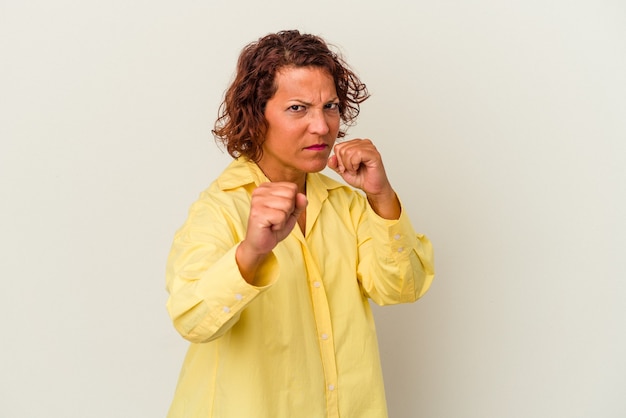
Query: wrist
x=386 y=204
x=248 y=261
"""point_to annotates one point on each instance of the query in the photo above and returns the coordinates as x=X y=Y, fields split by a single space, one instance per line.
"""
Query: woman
x=270 y=276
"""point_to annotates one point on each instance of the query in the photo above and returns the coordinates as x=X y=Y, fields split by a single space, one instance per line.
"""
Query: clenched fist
x=274 y=211
x=359 y=163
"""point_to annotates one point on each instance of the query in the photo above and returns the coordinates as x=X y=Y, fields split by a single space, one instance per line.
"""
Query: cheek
x=334 y=126
x=282 y=128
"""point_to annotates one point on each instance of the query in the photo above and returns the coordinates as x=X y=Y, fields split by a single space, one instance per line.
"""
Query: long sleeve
x=395 y=263
x=207 y=291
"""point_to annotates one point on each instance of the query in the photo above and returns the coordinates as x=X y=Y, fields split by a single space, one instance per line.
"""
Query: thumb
x=333 y=163
x=301 y=204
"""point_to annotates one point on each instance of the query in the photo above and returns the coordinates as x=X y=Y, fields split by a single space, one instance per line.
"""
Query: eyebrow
x=334 y=99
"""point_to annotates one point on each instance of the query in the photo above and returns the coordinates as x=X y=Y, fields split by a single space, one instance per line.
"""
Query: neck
x=298 y=179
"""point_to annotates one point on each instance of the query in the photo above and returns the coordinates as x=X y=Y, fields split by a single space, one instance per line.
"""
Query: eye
x=296 y=108
x=332 y=106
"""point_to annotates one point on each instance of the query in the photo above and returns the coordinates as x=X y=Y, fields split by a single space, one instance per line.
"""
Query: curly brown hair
x=241 y=123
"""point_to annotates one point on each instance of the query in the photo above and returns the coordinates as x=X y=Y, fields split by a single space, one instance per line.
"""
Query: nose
x=318 y=123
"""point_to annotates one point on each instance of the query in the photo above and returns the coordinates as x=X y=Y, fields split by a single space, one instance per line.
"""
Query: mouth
x=317 y=147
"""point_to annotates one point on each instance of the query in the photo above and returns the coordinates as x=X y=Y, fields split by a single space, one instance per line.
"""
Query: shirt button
x=331 y=387
x=396 y=237
x=226 y=309
x=238 y=296
x=317 y=284
x=400 y=249
x=324 y=336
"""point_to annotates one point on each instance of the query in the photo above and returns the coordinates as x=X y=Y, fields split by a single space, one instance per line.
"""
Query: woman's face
x=303 y=123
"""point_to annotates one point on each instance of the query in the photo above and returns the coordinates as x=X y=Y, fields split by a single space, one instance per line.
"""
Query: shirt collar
x=239 y=173
x=242 y=172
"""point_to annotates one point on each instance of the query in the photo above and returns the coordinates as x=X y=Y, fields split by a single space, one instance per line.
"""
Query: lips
x=317 y=147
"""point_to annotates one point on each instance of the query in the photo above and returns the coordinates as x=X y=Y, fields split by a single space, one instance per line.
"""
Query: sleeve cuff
x=227 y=293
x=398 y=232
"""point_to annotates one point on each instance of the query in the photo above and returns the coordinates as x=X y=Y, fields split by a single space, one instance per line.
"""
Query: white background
x=503 y=128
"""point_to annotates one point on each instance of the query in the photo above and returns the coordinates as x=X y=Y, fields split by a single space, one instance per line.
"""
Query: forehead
x=304 y=81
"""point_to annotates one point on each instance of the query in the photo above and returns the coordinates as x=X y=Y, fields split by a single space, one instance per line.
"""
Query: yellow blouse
x=302 y=343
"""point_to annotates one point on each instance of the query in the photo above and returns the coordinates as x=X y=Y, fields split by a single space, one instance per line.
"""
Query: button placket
x=321 y=313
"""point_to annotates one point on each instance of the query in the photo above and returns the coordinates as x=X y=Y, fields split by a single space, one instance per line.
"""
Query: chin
x=315 y=168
